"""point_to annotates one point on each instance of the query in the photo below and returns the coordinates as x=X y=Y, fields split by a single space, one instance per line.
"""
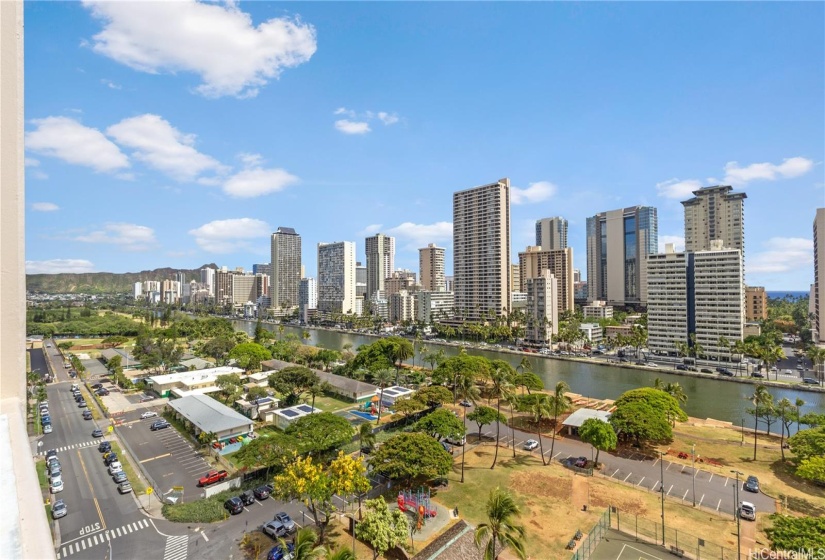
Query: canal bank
x=709 y=396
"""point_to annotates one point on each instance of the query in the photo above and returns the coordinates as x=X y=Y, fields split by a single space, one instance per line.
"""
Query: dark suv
x=233 y=505
x=159 y=425
x=752 y=484
x=262 y=492
x=104 y=447
x=248 y=498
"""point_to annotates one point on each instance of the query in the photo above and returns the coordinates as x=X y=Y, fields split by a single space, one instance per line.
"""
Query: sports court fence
x=590 y=542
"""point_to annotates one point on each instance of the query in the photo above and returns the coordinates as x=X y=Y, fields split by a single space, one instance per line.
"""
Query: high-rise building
x=515 y=279
x=262 y=268
x=481 y=251
x=618 y=241
x=551 y=233
x=138 y=290
x=535 y=260
x=434 y=306
x=360 y=280
x=756 y=303
x=223 y=286
x=380 y=251
x=308 y=293
x=699 y=294
x=577 y=275
x=336 y=277
x=431 y=268
x=715 y=213
x=286 y=268
x=398 y=281
x=542 y=308
x=244 y=289
x=208 y=278
x=401 y=306
x=819 y=276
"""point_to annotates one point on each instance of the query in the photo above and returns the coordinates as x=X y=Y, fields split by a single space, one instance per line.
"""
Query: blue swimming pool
x=363 y=415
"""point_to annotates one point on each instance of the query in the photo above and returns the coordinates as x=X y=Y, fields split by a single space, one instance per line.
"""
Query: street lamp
x=736 y=514
x=693 y=468
x=662 y=490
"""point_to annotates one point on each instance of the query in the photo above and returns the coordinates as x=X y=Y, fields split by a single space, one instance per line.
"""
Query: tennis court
x=618 y=546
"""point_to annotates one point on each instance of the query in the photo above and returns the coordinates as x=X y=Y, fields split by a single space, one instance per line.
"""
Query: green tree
x=273 y=452
x=229 y=384
x=540 y=407
x=320 y=433
x=808 y=443
x=442 y=423
x=759 y=399
x=813 y=469
x=466 y=390
x=292 y=382
x=408 y=405
x=434 y=394
x=366 y=437
x=786 y=411
x=645 y=415
x=382 y=378
x=501 y=377
x=254 y=395
x=559 y=403
x=411 y=457
x=529 y=381
x=303 y=545
x=483 y=415
x=218 y=349
x=249 y=355
x=501 y=529
x=401 y=350
x=599 y=434
x=434 y=357
x=796 y=533
x=381 y=527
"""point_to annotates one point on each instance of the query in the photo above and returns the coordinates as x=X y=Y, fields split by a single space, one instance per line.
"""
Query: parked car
x=456 y=441
x=758 y=375
x=147 y=398
x=747 y=511
x=47 y=428
x=248 y=497
x=581 y=462
x=446 y=447
x=109 y=458
x=148 y=414
x=54 y=469
x=706 y=370
x=261 y=492
x=102 y=392
x=275 y=529
x=124 y=487
x=119 y=477
x=681 y=367
x=87 y=414
x=530 y=444
x=159 y=425
x=59 y=509
x=81 y=404
x=114 y=467
x=97 y=385
x=97 y=433
x=751 y=484
x=56 y=485
x=278 y=553
x=466 y=403
x=51 y=453
x=810 y=381
x=104 y=446
x=45 y=420
x=233 y=505
x=286 y=520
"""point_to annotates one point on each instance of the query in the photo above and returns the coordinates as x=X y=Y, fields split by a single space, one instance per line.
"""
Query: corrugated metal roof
x=209 y=415
x=577 y=418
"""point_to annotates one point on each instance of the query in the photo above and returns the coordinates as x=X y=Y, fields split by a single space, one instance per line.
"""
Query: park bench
x=676 y=551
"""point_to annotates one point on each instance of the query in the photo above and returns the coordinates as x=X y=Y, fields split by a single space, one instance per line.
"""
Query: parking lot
x=165 y=455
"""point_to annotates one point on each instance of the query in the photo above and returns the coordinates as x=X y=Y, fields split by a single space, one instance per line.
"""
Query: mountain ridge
x=103 y=282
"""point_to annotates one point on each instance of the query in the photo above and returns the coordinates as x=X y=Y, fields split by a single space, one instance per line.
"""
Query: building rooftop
x=209 y=415
x=192 y=377
x=395 y=391
x=295 y=412
x=341 y=383
x=125 y=356
x=578 y=418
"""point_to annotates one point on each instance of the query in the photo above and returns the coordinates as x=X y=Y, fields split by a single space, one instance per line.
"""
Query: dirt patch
x=602 y=497
x=581 y=491
x=541 y=485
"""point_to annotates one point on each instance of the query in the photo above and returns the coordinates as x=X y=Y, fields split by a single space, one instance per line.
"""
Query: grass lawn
x=42 y=475
x=80 y=341
x=550 y=501
x=138 y=486
x=331 y=404
x=723 y=444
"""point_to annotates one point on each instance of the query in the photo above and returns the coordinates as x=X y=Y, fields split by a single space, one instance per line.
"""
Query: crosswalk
x=75 y=446
x=101 y=538
x=176 y=547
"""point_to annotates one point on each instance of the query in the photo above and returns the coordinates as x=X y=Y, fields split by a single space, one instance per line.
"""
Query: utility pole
x=736 y=514
x=662 y=490
x=693 y=467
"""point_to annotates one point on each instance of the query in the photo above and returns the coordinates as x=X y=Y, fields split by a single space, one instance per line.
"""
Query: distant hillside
x=102 y=282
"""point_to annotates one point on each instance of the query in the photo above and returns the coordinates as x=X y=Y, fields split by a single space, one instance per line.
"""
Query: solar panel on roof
x=289 y=413
x=304 y=408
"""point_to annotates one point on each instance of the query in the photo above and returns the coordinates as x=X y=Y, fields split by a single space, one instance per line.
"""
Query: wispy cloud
x=415 y=236
x=218 y=42
x=110 y=84
x=536 y=192
x=788 y=169
x=782 y=254
x=74 y=143
x=676 y=189
x=59 y=266
x=45 y=206
x=359 y=123
x=254 y=182
x=352 y=127
x=129 y=237
x=371 y=229
x=228 y=236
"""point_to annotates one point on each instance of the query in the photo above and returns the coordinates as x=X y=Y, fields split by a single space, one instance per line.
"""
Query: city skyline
x=332 y=139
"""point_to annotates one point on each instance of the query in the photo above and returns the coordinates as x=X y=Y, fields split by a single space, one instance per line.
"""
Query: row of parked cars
x=115 y=468
x=45 y=417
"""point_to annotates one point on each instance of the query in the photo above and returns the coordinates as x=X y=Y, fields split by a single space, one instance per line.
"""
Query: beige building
x=715 y=213
x=535 y=260
x=398 y=281
x=434 y=306
x=431 y=268
x=756 y=303
x=542 y=308
x=597 y=310
x=515 y=279
x=402 y=306
x=244 y=289
x=285 y=275
x=551 y=233
x=380 y=251
x=818 y=290
x=481 y=251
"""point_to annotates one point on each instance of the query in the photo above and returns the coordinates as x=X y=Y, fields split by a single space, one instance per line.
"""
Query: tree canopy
x=808 y=443
x=249 y=355
x=292 y=382
x=475 y=367
x=483 y=415
x=381 y=527
x=434 y=394
x=321 y=432
x=599 y=434
x=442 y=423
x=411 y=457
x=645 y=414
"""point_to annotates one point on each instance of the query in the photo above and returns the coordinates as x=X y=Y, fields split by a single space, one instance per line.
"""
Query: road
x=713 y=491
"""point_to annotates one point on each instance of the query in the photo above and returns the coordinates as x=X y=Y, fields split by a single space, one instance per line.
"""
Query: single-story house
x=257 y=379
x=575 y=420
x=94 y=368
x=255 y=409
x=189 y=382
x=204 y=414
x=285 y=416
x=126 y=359
x=392 y=394
x=196 y=363
x=349 y=389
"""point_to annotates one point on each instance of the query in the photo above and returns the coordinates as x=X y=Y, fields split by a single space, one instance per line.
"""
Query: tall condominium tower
x=481 y=251
x=308 y=293
x=431 y=268
x=208 y=278
x=551 y=233
x=819 y=276
x=715 y=213
x=618 y=242
x=380 y=261
x=542 y=308
x=336 y=277
x=535 y=260
x=286 y=268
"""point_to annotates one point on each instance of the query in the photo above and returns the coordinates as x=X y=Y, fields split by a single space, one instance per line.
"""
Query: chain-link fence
x=591 y=541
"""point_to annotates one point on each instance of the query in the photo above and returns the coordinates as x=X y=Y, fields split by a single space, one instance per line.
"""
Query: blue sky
x=177 y=134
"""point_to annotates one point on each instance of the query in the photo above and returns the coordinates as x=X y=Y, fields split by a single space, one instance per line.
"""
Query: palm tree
x=467 y=389
x=559 y=404
x=382 y=378
x=401 y=350
x=304 y=543
x=317 y=390
x=366 y=437
x=758 y=399
x=344 y=553
x=799 y=404
x=500 y=528
x=500 y=376
x=540 y=409
x=658 y=384
x=785 y=410
x=817 y=357
x=677 y=392
x=510 y=396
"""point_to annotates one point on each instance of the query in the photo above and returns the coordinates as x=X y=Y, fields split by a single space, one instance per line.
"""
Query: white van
x=747 y=511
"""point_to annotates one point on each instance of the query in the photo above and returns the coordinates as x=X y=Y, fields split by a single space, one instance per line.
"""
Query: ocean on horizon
x=782 y=294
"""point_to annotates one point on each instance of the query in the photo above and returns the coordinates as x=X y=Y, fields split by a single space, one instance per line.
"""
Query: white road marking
x=614 y=473
x=204 y=536
x=628 y=476
x=719 y=504
x=711 y=476
x=669 y=489
x=685 y=496
x=701 y=499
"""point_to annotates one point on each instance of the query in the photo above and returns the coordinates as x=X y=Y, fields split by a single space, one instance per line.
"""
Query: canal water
x=707 y=398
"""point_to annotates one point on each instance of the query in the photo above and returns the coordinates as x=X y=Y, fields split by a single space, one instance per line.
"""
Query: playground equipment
x=417 y=502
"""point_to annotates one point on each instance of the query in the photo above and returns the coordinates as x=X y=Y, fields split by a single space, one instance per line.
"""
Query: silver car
x=59 y=509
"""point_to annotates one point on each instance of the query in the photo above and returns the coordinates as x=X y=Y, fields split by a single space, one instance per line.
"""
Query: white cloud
x=536 y=192
x=352 y=127
x=163 y=147
x=419 y=235
x=67 y=139
x=388 y=118
x=110 y=84
x=371 y=229
x=251 y=160
x=788 y=169
x=676 y=189
x=45 y=206
x=256 y=182
x=129 y=237
x=31 y=162
x=219 y=43
x=344 y=111
x=782 y=254
x=59 y=266
x=227 y=236
x=677 y=240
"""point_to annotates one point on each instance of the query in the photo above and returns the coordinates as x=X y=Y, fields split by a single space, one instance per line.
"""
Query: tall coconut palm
x=501 y=529
x=366 y=437
x=304 y=543
x=401 y=350
x=467 y=390
x=382 y=378
x=798 y=404
x=758 y=399
x=344 y=553
x=540 y=409
x=785 y=409
x=659 y=384
x=501 y=377
x=510 y=396
x=559 y=404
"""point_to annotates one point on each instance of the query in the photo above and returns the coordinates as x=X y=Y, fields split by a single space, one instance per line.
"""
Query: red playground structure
x=416 y=503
